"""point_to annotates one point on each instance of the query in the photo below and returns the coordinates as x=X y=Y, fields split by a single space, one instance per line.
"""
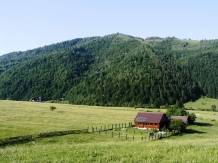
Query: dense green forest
x=114 y=70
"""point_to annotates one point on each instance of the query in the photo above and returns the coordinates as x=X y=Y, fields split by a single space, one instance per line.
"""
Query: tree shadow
x=191 y=131
x=202 y=124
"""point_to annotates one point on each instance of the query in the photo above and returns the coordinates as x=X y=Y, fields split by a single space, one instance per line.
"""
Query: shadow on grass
x=191 y=131
x=202 y=124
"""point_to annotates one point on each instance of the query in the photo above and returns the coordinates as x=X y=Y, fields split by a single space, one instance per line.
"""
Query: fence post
x=125 y=125
x=112 y=134
x=101 y=128
x=96 y=129
x=126 y=136
x=112 y=127
x=119 y=134
x=99 y=131
x=122 y=125
x=133 y=137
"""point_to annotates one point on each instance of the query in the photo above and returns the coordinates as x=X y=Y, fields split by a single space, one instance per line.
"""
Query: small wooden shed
x=150 y=120
x=183 y=118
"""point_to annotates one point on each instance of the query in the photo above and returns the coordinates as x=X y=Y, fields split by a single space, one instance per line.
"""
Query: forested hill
x=114 y=70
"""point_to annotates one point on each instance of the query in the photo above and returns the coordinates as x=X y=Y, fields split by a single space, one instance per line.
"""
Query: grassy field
x=202 y=103
x=198 y=144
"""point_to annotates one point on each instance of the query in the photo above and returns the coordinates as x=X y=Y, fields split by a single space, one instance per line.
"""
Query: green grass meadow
x=202 y=103
x=198 y=144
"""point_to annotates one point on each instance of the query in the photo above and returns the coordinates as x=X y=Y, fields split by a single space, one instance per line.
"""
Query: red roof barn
x=150 y=120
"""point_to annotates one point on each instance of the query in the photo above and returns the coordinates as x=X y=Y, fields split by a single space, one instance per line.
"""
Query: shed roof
x=183 y=118
x=149 y=117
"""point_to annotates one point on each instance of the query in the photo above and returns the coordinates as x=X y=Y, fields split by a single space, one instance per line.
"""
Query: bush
x=177 y=124
x=52 y=108
x=191 y=118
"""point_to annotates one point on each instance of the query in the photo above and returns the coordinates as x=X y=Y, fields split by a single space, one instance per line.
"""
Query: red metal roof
x=149 y=117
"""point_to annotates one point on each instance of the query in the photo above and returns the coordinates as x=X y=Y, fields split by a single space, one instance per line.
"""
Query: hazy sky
x=28 y=24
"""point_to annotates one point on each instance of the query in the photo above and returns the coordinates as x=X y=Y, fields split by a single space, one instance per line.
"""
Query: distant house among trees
x=150 y=120
x=35 y=99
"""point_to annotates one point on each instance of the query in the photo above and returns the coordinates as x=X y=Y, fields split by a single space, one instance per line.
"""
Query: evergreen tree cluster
x=114 y=70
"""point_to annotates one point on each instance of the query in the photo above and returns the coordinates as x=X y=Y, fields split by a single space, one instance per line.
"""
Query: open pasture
x=202 y=103
x=198 y=144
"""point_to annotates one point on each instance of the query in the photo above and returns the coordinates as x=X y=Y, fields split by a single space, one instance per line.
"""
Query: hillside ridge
x=113 y=70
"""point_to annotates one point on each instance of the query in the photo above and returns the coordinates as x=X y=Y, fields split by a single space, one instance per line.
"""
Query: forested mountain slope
x=114 y=70
x=14 y=58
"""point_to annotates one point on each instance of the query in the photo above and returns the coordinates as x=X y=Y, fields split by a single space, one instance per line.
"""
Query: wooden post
x=112 y=134
x=106 y=132
x=119 y=134
x=99 y=131
x=101 y=128
x=96 y=129
x=126 y=136
x=108 y=127
x=115 y=126
x=112 y=127
x=119 y=125
x=122 y=125
x=125 y=125
x=142 y=138
x=93 y=129
x=133 y=137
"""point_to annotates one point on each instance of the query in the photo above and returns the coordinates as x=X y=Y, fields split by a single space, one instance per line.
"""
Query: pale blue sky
x=28 y=24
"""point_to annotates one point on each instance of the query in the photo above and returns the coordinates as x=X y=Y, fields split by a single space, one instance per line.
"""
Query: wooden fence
x=131 y=136
x=28 y=138
x=120 y=130
x=60 y=133
x=129 y=133
x=117 y=126
x=16 y=139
